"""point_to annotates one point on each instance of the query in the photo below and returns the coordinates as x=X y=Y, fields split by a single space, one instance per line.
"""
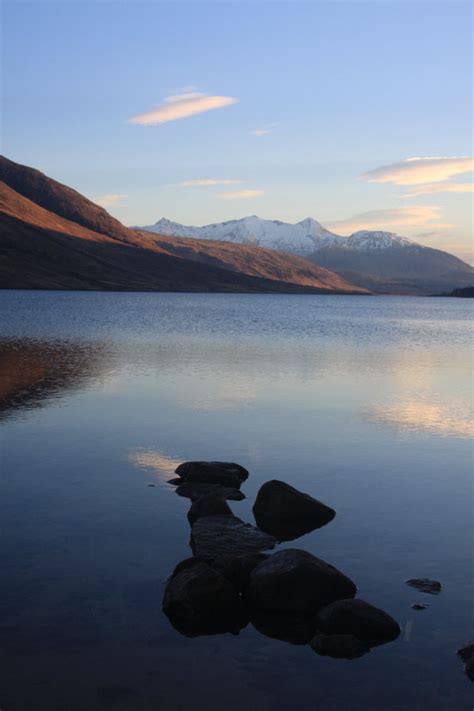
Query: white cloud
x=110 y=200
x=178 y=106
x=416 y=171
x=261 y=132
x=420 y=216
x=241 y=194
x=441 y=188
x=208 y=182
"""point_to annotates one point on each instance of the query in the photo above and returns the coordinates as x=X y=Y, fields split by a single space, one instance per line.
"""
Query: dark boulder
x=210 y=505
x=198 y=600
x=238 y=569
x=295 y=629
x=220 y=537
x=360 y=619
x=466 y=652
x=224 y=473
x=196 y=489
x=469 y=667
x=433 y=587
x=296 y=582
x=287 y=513
x=339 y=646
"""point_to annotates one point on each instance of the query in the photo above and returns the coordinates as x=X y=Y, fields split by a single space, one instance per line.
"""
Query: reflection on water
x=33 y=372
x=362 y=403
x=453 y=418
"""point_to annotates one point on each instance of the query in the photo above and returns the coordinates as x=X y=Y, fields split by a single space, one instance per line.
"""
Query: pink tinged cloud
x=241 y=194
x=441 y=188
x=110 y=200
x=181 y=106
x=416 y=171
x=420 y=216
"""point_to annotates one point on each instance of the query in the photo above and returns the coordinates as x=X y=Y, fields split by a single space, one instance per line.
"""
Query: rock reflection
x=33 y=372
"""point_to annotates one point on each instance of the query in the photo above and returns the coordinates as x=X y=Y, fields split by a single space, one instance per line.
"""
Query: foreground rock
x=296 y=582
x=223 y=473
x=238 y=569
x=199 y=600
x=196 y=489
x=295 y=629
x=360 y=619
x=339 y=646
x=287 y=513
x=210 y=505
x=220 y=537
x=433 y=587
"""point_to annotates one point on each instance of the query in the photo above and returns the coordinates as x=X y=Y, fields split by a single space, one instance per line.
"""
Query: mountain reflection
x=34 y=372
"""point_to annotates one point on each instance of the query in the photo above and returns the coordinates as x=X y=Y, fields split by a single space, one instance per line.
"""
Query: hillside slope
x=50 y=243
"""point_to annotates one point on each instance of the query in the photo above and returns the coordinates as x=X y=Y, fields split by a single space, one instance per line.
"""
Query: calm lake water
x=362 y=402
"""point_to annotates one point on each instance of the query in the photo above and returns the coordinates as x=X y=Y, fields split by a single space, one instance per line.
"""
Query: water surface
x=362 y=402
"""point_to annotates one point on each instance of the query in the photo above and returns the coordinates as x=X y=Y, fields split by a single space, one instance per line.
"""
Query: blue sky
x=316 y=94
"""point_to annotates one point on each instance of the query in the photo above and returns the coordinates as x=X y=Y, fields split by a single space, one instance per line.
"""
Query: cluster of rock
x=230 y=581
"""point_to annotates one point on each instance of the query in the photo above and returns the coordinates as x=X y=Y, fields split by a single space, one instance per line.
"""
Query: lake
x=362 y=402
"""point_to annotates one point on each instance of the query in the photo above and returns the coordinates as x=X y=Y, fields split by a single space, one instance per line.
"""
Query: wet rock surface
x=287 y=513
x=238 y=569
x=196 y=489
x=210 y=505
x=432 y=587
x=295 y=629
x=199 y=600
x=295 y=581
x=224 y=473
x=358 y=618
x=339 y=646
x=220 y=537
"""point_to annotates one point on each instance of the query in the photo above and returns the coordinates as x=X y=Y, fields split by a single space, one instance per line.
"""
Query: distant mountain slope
x=376 y=260
x=42 y=249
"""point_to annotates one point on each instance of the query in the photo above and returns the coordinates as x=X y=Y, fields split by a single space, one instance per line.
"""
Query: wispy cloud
x=208 y=182
x=441 y=188
x=261 y=132
x=241 y=194
x=416 y=171
x=178 y=106
x=420 y=216
x=110 y=200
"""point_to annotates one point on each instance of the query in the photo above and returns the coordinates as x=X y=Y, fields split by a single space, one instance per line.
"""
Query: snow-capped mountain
x=377 y=260
x=302 y=238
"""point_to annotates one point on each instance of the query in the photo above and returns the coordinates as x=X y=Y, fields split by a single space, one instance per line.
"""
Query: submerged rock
x=295 y=629
x=210 y=505
x=419 y=606
x=224 y=473
x=295 y=581
x=360 y=619
x=287 y=513
x=466 y=652
x=196 y=489
x=433 y=587
x=198 y=600
x=220 y=537
x=469 y=667
x=339 y=646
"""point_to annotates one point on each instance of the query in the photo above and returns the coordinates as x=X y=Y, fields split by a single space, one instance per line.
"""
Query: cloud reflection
x=451 y=419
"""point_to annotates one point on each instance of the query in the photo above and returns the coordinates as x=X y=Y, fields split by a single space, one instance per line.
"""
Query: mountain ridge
x=373 y=259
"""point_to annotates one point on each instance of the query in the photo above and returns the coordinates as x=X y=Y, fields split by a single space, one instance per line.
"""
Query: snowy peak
x=303 y=238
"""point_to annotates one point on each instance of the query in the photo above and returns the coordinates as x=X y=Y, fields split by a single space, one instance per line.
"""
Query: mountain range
x=376 y=260
x=52 y=237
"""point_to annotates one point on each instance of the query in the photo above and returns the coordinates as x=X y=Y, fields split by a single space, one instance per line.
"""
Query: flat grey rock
x=196 y=489
x=219 y=537
x=432 y=587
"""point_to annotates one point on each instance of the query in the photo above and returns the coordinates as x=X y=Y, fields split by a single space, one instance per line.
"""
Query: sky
x=358 y=114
